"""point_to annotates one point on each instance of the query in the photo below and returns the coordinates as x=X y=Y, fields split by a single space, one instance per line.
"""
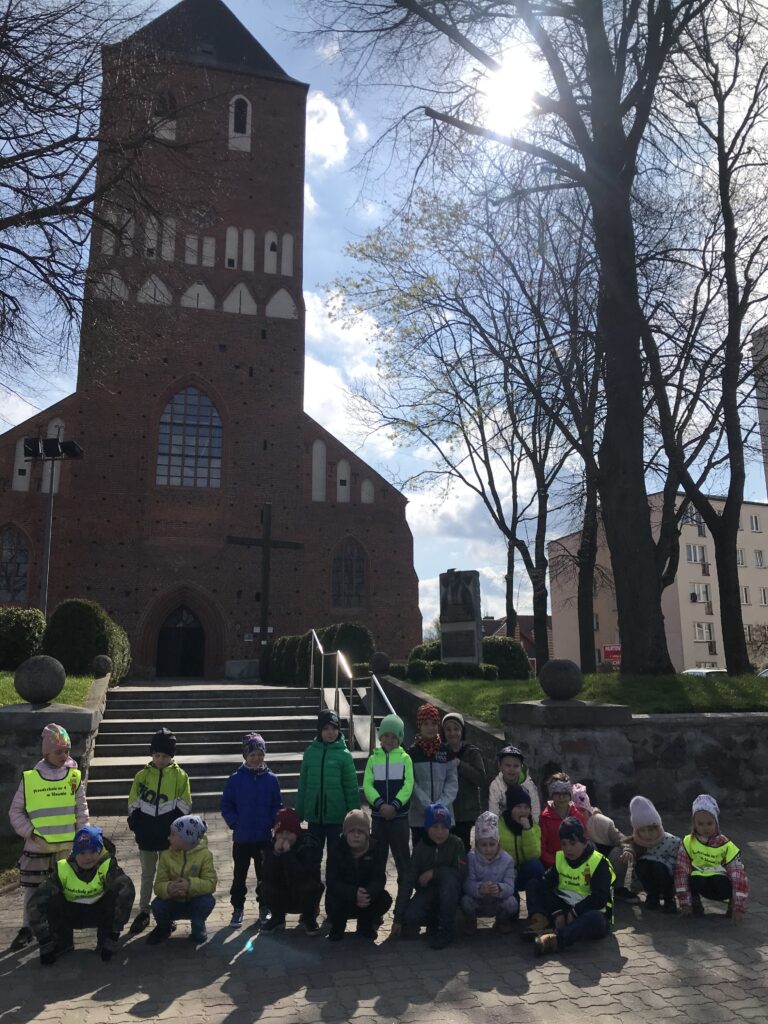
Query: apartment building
x=691 y=604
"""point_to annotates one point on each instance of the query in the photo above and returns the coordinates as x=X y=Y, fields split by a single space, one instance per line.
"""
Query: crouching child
x=574 y=899
x=437 y=870
x=186 y=881
x=355 y=878
x=291 y=880
x=87 y=890
x=489 y=889
x=709 y=865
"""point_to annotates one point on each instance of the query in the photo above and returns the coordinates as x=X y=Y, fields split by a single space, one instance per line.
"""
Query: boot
x=670 y=906
x=546 y=943
x=23 y=938
x=469 y=924
x=536 y=924
x=697 y=907
x=504 y=925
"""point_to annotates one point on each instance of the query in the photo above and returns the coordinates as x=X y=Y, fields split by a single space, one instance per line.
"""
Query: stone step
x=206 y=745
x=199 y=734
x=199 y=711
x=204 y=800
x=244 y=706
x=121 y=786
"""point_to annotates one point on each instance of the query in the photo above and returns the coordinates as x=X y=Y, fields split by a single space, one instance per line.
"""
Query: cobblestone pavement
x=652 y=968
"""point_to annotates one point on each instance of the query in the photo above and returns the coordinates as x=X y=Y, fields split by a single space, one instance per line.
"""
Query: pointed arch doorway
x=181 y=645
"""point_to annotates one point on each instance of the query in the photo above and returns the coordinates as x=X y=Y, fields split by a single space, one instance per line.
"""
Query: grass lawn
x=645 y=695
x=75 y=690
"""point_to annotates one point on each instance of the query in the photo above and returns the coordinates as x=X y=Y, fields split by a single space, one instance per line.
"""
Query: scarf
x=430 y=747
x=648 y=843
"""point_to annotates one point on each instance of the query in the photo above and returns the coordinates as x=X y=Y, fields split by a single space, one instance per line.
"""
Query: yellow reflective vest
x=51 y=805
x=574 y=883
x=75 y=889
x=709 y=860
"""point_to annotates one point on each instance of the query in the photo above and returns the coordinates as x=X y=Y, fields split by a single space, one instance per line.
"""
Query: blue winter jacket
x=249 y=804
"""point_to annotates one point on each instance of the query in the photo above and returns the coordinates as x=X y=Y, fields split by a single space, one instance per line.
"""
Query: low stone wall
x=21 y=726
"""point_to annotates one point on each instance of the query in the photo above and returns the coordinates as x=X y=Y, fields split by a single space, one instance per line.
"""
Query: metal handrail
x=315 y=643
x=376 y=685
x=340 y=659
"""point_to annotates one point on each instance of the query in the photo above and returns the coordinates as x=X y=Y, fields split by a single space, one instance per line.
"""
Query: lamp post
x=50 y=450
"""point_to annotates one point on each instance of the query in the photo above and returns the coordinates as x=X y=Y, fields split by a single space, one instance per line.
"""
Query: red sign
x=612 y=654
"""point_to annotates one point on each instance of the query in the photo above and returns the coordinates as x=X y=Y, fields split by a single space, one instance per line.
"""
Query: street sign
x=612 y=654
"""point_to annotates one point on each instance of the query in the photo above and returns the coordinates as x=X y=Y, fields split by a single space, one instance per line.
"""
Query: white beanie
x=487 y=826
x=642 y=813
x=705 y=802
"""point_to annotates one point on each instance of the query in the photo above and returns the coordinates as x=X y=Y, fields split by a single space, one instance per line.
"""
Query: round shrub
x=78 y=630
x=379 y=663
x=490 y=672
x=21 y=633
x=429 y=651
x=418 y=671
x=507 y=655
x=354 y=640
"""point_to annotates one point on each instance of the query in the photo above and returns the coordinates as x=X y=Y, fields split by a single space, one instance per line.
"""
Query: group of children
x=568 y=858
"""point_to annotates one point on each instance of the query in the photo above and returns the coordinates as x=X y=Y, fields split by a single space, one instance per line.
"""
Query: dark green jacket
x=327 y=784
x=428 y=856
x=473 y=782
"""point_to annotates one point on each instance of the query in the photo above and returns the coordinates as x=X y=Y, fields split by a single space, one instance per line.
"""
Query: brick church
x=199 y=457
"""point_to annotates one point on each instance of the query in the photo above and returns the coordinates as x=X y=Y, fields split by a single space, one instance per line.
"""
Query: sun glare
x=508 y=94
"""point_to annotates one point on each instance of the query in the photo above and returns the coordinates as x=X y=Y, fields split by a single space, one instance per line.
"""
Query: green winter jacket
x=327 y=784
x=522 y=847
x=196 y=865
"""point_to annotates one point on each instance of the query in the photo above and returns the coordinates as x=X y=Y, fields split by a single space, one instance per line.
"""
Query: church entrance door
x=181 y=645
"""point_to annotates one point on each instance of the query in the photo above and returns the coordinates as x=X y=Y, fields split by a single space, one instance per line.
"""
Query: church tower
x=189 y=400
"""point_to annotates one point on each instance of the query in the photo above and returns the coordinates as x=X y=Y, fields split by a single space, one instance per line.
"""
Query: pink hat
x=580 y=797
x=55 y=737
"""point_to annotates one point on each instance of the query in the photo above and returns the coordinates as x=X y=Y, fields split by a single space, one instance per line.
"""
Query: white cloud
x=310 y=203
x=351 y=347
x=16 y=409
x=327 y=140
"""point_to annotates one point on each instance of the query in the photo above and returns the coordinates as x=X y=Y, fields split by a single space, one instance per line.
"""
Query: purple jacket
x=500 y=870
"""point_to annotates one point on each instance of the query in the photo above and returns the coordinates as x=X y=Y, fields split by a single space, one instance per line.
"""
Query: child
x=520 y=836
x=602 y=832
x=489 y=889
x=53 y=786
x=250 y=801
x=388 y=785
x=653 y=852
x=87 y=890
x=574 y=897
x=709 y=865
x=328 y=781
x=471 y=775
x=355 y=878
x=435 y=775
x=512 y=772
x=291 y=883
x=436 y=871
x=159 y=795
x=186 y=881
x=559 y=807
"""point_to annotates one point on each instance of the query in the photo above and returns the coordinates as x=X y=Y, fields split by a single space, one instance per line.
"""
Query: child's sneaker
x=237 y=917
x=626 y=895
x=139 y=923
x=336 y=934
x=158 y=934
x=23 y=938
x=310 y=925
x=670 y=906
x=546 y=943
x=504 y=925
x=275 y=923
x=652 y=902
x=198 y=935
x=264 y=914
x=697 y=907
x=440 y=940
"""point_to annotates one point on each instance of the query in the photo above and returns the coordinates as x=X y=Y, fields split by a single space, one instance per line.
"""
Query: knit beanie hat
x=163 y=742
x=453 y=716
x=705 y=802
x=437 y=814
x=253 y=741
x=55 y=737
x=426 y=713
x=517 y=795
x=560 y=786
x=356 y=819
x=393 y=724
x=90 y=837
x=487 y=826
x=191 y=828
x=510 y=751
x=327 y=717
x=642 y=813
x=581 y=798
x=571 y=828
x=287 y=820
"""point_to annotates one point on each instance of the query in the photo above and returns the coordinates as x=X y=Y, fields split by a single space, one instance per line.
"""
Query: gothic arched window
x=240 y=124
x=348 y=575
x=14 y=566
x=189 y=442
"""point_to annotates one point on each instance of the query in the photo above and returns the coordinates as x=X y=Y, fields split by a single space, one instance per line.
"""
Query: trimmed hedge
x=507 y=655
x=78 y=630
x=399 y=669
x=353 y=639
x=418 y=671
x=429 y=651
x=21 y=633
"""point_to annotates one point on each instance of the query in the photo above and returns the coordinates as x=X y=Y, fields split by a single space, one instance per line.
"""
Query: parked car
x=763 y=673
x=705 y=672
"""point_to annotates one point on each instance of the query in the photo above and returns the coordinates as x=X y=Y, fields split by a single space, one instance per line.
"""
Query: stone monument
x=461 y=623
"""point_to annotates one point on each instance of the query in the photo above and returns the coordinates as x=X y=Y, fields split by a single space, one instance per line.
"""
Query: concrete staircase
x=209 y=720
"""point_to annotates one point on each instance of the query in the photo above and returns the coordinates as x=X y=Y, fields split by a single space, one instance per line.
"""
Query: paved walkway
x=651 y=969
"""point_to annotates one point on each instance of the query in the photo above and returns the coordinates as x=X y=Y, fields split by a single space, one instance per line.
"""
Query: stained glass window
x=189 y=444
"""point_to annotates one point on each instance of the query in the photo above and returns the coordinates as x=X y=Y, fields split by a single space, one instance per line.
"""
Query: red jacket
x=550 y=822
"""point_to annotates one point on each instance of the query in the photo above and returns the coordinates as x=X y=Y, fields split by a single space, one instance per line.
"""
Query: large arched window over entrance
x=181 y=645
x=348 y=583
x=14 y=566
x=189 y=442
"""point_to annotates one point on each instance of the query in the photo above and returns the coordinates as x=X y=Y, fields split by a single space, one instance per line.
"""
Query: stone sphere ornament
x=379 y=663
x=40 y=679
x=561 y=679
x=101 y=666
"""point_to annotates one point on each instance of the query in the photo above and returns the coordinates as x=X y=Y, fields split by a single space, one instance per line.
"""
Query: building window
x=759 y=559
x=703 y=631
x=700 y=592
x=240 y=124
x=367 y=492
x=14 y=566
x=230 y=248
x=249 y=249
x=286 y=256
x=343 y=483
x=695 y=553
x=748 y=633
x=754 y=523
x=270 y=252
x=164 y=116
x=318 y=470
x=740 y=559
x=189 y=443
x=744 y=594
x=348 y=576
x=21 y=469
x=209 y=251
x=763 y=596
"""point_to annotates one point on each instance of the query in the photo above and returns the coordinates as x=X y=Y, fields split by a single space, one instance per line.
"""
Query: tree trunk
x=540 y=607
x=731 y=619
x=585 y=592
x=510 y=591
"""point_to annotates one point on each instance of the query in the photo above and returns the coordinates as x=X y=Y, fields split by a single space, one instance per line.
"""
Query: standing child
x=602 y=832
x=471 y=774
x=513 y=771
x=47 y=809
x=520 y=836
x=436 y=871
x=653 y=853
x=186 y=881
x=709 y=865
x=292 y=874
x=388 y=785
x=356 y=878
x=250 y=801
x=328 y=781
x=159 y=795
x=559 y=807
x=435 y=774
x=87 y=890
x=489 y=889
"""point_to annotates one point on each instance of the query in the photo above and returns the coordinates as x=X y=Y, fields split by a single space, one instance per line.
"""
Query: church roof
x=207 y=33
